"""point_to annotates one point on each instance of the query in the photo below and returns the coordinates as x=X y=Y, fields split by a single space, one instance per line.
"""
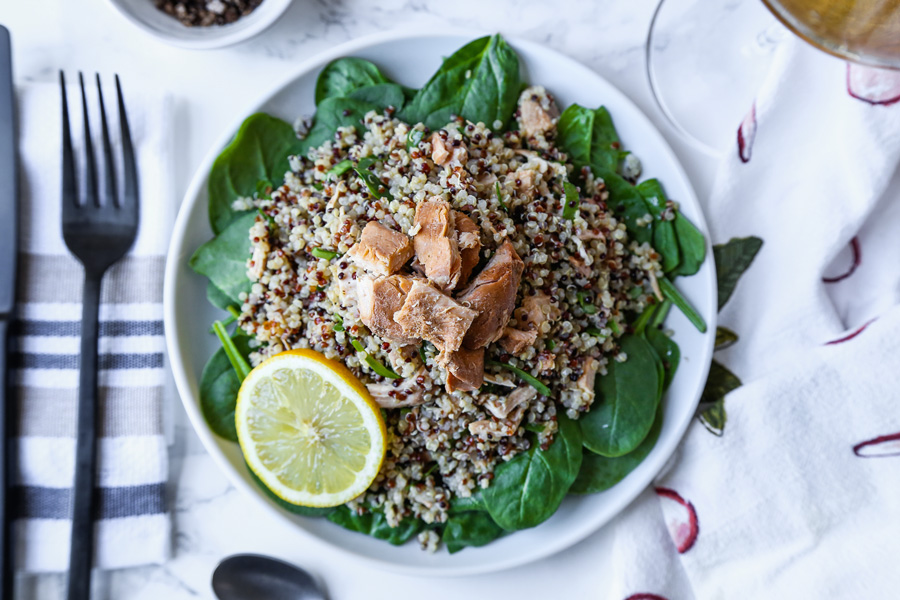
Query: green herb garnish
x=376 y=188
x=322 y=253
x=570 y=208
x=413 y=138
x=587 y=307
x=339 y=169
x=524 y=376
x=500 y=197
x=373 y=363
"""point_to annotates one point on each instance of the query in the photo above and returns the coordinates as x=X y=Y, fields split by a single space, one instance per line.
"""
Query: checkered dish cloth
x=133 y=524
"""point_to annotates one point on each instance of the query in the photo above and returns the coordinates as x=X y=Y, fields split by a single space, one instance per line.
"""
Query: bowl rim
x=177 y=253
x=236 y=34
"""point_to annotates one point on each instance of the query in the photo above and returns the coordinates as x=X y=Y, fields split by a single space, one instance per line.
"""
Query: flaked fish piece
x=492 y=294
x=491 y=429
x=537 y=111
x=580 y=266
x=443 y=151
x=589 y=373
x=501 y=407
x=468 y=239
x=465 y=369
x=429 y=314
x=381 y=250
x=435 y=242
x=501 y=379
x=515 y=340
x=408 y=393
x=379 y=300
x=537 y=310
x=546 y=361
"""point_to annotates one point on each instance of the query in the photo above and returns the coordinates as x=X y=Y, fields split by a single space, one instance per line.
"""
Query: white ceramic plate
x=410 y=60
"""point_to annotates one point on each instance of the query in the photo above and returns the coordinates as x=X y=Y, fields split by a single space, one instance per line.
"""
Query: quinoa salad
x=498 y=285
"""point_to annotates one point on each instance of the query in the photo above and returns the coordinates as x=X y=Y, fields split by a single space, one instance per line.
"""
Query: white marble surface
x=211 y=519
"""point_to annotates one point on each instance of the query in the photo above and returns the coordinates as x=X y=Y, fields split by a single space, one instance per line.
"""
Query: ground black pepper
x=204 y=13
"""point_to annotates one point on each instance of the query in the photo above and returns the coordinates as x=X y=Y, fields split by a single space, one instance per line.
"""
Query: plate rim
x=176 y=253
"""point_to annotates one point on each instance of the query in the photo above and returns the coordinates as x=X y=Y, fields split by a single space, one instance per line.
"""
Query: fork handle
x=81 y=553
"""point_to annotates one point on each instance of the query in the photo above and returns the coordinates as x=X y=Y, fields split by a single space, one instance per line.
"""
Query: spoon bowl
x=252 y=576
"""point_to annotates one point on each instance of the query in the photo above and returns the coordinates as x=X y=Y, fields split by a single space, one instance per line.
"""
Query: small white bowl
x=145 y=15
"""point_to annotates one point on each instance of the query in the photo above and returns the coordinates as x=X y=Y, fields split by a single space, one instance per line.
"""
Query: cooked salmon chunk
x=537 y=111
x=381 y=250
x=465 y=369
x=515 y=340
x=443 y=151
x=501 y=407
x=535 y=311
x=379 y=299
x=492 y=294
x=435 y=243
x=429 y=314
x=468 y=239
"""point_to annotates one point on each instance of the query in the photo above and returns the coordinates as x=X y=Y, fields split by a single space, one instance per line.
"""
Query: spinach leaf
x=479 y=82
x=259 y=151
x=589 y=138
x=667 y=350
x=719 y=383
x=732 y=259
x=664 y=239
x=470 y=529
x=528 y=489
x=627 y=205
x=305 y=511
x=219 y=385
x=473 y=502
x=345 y=75
x=335 y=112
x=600 y=473
x=217 y=297
x=374 y=523
x=627 y=397
x=725 y=338
x=223 y=259
x=692 y=245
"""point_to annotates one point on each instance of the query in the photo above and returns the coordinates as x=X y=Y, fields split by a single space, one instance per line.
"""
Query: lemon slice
x=309 y=429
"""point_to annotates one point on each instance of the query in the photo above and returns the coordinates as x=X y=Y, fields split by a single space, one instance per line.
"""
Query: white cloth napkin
x=791 y=502
x=133 y=525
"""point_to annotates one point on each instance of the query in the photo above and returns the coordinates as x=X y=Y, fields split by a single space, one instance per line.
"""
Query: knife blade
x=9 y=221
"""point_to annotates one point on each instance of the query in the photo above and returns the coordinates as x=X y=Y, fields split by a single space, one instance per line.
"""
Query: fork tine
x=130 y=195
x=109 y=167
x=69 y=186
x=90 y=176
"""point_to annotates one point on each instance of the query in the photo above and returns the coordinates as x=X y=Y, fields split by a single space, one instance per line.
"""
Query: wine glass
x=702 y=53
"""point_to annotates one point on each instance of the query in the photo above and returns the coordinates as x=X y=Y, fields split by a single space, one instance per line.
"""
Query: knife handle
x=7 y=412
x=81 y=551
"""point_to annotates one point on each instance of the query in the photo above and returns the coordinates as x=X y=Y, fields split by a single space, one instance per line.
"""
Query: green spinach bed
x=479 y=82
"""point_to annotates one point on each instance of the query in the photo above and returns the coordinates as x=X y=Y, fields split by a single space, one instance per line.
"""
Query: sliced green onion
x=662 y=311
x=373 y=363
x=635 y=292
x=614 y=325
x=413 y=138
x=238 y=362
x=376 y=188
x=640 y=324
x=339 y=169
x=422 y=353
x=323 y=253
x=587 y=307
x=570 y=208
x=670 y=292
x=318 y=186
x=524 y=376
x=594 y=332
x=338 y=323
x=551 y=344
x=500 y=196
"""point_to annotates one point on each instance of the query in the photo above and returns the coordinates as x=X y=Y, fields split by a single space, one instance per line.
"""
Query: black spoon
x=251 y=576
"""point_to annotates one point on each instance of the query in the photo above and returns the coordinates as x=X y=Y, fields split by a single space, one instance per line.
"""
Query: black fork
x=98 y=230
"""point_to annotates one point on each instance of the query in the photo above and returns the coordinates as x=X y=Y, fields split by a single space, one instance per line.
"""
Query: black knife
x=9 y=220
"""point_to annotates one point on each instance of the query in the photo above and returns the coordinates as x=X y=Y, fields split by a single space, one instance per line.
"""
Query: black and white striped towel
x=133 y=524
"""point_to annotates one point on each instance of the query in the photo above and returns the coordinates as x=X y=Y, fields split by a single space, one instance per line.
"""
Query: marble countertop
x=211 y=519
